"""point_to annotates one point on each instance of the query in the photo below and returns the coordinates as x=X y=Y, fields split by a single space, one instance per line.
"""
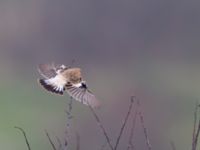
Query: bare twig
x=125 y=122
x=69 y=118
x=25 y=137
x=195 y=121
x=69 y=111
x=172 y=145
x=194 y=144
x=101 y=126
x=130 y=144
x=24 y=133
x=196 y=137
x=143 y=126
x=50 y=141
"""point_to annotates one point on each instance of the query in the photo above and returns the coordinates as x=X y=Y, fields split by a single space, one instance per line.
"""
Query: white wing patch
x=54 y=85
x=57 y=82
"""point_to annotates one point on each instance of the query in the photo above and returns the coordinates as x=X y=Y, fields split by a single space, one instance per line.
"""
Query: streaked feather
x=47 y=70
x=82 y=95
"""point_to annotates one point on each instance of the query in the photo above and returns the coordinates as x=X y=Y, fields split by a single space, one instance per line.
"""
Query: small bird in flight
x=58 y=78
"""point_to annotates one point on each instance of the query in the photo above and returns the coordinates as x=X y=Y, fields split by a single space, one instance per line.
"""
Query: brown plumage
x=58 y=78
x=72 y=75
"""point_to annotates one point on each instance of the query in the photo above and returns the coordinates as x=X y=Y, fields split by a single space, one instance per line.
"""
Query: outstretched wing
x=82 y=95
x=47 y=70
x=50 y=70
x=52 y=82
x=46 y=84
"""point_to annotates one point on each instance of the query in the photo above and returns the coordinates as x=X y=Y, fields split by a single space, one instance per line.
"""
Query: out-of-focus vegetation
x=146 y=48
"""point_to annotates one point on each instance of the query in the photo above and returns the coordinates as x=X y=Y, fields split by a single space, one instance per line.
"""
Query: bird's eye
x=80 y=79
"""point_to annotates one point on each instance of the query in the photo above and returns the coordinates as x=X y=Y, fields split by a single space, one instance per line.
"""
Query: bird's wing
x=52 y=82
x=82 y=95
x=52 y=86
x=49 y=70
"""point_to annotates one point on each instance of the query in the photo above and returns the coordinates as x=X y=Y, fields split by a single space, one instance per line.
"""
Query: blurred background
x=125 y=47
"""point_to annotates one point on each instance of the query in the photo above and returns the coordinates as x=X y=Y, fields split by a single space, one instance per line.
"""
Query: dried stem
x=50 y=141
x=69 y=111
x=24 y=133
x=143 y=126
x=101 y=126
x=130 y=144
x=196 y=137
x=194 y=143
x=69 y=118
x=125 y=122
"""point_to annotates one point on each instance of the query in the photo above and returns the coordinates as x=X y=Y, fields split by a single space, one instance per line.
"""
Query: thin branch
x=24 y=133
x=69 y=111
x=101 y=126
x=51 y=142
x=125 y=122
x=69 y=118
x=143 y=126
x=172 y=145
x=196 y=137
x=194 y=127
x=195 y=121
x=130 y=144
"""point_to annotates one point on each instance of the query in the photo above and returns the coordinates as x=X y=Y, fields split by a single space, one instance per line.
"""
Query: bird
x=59 y=78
